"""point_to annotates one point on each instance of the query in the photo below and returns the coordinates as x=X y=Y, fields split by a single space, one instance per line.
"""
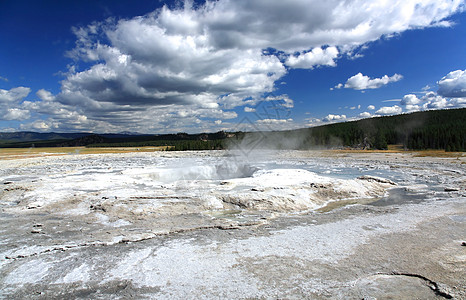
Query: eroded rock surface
x=139 y=225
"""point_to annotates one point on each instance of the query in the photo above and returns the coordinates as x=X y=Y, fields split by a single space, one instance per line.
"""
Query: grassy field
x=415 y=153
x=18 y=153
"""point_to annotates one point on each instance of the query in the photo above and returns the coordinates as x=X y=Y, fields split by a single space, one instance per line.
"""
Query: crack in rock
x=126 y=240
x=434 y=286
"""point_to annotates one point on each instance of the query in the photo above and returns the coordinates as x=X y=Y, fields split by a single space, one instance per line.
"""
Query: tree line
x=437 y=129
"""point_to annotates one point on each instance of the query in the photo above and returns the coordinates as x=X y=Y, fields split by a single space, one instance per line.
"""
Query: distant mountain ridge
x=27 y=139
x=25 y=136
x=29 y=136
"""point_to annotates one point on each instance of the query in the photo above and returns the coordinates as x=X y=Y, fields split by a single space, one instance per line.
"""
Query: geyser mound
x=296 y=189
x=204 y=172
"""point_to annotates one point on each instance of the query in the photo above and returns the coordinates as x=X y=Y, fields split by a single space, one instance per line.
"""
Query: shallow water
x=399 y=196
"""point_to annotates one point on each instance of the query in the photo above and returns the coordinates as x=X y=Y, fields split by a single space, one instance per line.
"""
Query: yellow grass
x=438 y=153
x=18 y=153
x=400 y=149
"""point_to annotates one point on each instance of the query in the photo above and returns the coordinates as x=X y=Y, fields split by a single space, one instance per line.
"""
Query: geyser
x=226 y=170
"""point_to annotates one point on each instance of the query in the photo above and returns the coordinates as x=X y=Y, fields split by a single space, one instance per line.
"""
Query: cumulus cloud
x=432 y=100
x=271 y=124
x=330 y=118
x=16 y=94
x=316 y=57
x=249 y=109
x=410 y=99
x=458 y=102
x=389 y=110
x=16 y=114
x=453 y=85
x=208 y=59
x=363 y=82
x=10 y=104
x=274 y=121
x=365 y=114
x=370 y=107
x=38 y=125
x=281 y=100
x=313 y=121
x=45 y=95
x=412 y=108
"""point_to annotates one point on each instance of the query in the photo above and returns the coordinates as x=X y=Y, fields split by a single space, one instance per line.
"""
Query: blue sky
x=164 y=66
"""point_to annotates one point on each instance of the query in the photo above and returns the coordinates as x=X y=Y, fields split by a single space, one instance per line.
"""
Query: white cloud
x=389 y=110
x=365 y=114
x=316 y=57
x=363 y=82
x=412 y=108
x=453 y=85
x=210 y=58
x=370 y=107
x=16 y=94
x=458 y=102
x=451 y=94
x=410 y=99
x=4 y=78
x=274 y=124
x=16 y=114
x=338 y=86
x=45 y=95
x=10 y=104
x=330 y=118
x=313 y=121
x=274 y=121
x=249 y=109
x=38 y=125
x=282 y=100
x=434 y=101
x=430 y=101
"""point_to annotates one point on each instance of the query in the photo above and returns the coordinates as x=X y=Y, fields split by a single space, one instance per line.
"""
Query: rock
x=34 y=205
x=318 y=186
x=451 y=189
x=376 y=179
x=97 y=207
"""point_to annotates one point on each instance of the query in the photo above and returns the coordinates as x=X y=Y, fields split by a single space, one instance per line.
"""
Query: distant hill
x=25 y=136
x=437 y=129
x=181 y=141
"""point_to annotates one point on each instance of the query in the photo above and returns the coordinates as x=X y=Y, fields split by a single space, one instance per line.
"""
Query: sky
x=109 y=66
